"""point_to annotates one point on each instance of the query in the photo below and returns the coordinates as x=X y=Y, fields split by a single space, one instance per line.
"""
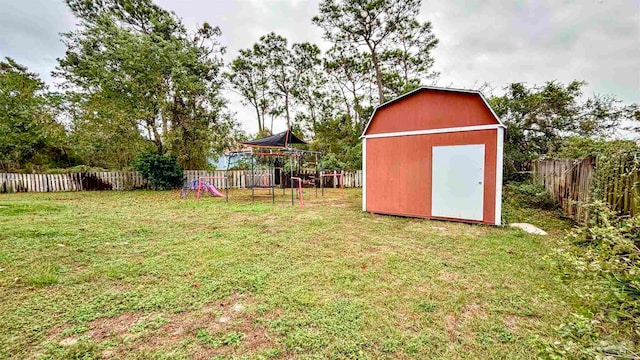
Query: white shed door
x=458 y=182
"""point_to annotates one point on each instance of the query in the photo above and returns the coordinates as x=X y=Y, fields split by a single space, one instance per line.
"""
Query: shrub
x=163 y=172
x=531 y=195
x=330 y=162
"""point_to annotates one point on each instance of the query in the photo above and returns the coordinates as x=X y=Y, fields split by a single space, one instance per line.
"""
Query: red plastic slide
x=213 y=190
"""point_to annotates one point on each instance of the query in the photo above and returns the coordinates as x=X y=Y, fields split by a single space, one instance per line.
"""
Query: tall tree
x=136 y=56
x=409 y=63
x=372 y=25
x=249 y=75
x=313 y=99
x=289 y=67
x=350 y=71
x=270 y=75
x=29 y=132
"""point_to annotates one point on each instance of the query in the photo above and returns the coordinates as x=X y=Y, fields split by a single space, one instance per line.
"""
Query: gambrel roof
x=432 y=88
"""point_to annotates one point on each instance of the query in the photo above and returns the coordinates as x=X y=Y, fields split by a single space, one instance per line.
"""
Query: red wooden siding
x=399 y=168
x=431 y=109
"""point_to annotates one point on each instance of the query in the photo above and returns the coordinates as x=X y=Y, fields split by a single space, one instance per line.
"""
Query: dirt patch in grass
x=473 y=311
x=451 y=325
x=69 y=341
x=227 y=327
x=104 y=328
x=380 y=249
x=56 y=332
x=455 y=324
x=449 y=277
x=213 y=325
x=511 y=323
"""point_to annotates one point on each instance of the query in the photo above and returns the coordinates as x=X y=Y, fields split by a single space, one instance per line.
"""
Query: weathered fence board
x=572 y=184
x=131 y=180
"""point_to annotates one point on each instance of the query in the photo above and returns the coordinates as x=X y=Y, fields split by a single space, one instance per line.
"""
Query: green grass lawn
x=146 y=274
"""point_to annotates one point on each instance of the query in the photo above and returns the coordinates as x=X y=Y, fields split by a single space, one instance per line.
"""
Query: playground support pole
x=252 y=179
x=226 y=173
x=272 y=182
x=314 y=182
x=299 y=190
x=291 y=176
x=198 y=192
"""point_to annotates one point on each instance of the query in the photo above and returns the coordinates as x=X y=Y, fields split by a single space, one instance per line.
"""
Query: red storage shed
x=434 y=153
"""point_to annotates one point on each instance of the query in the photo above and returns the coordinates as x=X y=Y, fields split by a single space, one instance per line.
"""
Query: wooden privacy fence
x=572 y=183
x=131 y=180
x=568 y=181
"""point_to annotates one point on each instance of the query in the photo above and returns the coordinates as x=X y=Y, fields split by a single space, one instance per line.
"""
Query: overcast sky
x=494 y=41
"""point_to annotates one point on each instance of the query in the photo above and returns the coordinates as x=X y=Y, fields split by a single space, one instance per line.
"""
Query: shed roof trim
x=436 y=88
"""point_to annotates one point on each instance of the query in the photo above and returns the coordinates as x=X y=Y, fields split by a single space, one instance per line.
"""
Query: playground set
x=283 y=164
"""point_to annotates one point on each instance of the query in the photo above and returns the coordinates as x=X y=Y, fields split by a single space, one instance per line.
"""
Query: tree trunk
x=405 y=64
x=356 y=107
x=376 y=66
x=286 y=109
x=313 y=118
x=260 y=121
x=157 y=140
x=165 y=125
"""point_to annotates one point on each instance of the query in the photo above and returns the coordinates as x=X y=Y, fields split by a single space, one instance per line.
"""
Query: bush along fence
x=574 y=183
x=132 y=180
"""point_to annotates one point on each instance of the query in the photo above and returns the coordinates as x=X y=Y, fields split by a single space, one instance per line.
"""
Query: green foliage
x=74 y=169
x=44 y=276
x=616 y=169
x=81 y=350
x=377 y=45
x=163 y=172
x=407 y=65
x=603 y=258
x=577 y=147
x=102 y=133
x=349 y=72
x=531 y=195
x=634 y=115
x=150 y=82
x=338 y=139
x=30 y=136
x=233 y=338
x=249 y=76
x=330 y=163
x=539 y=118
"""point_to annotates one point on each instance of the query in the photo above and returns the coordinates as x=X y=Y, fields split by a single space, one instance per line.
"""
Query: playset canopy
x=280 y=140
